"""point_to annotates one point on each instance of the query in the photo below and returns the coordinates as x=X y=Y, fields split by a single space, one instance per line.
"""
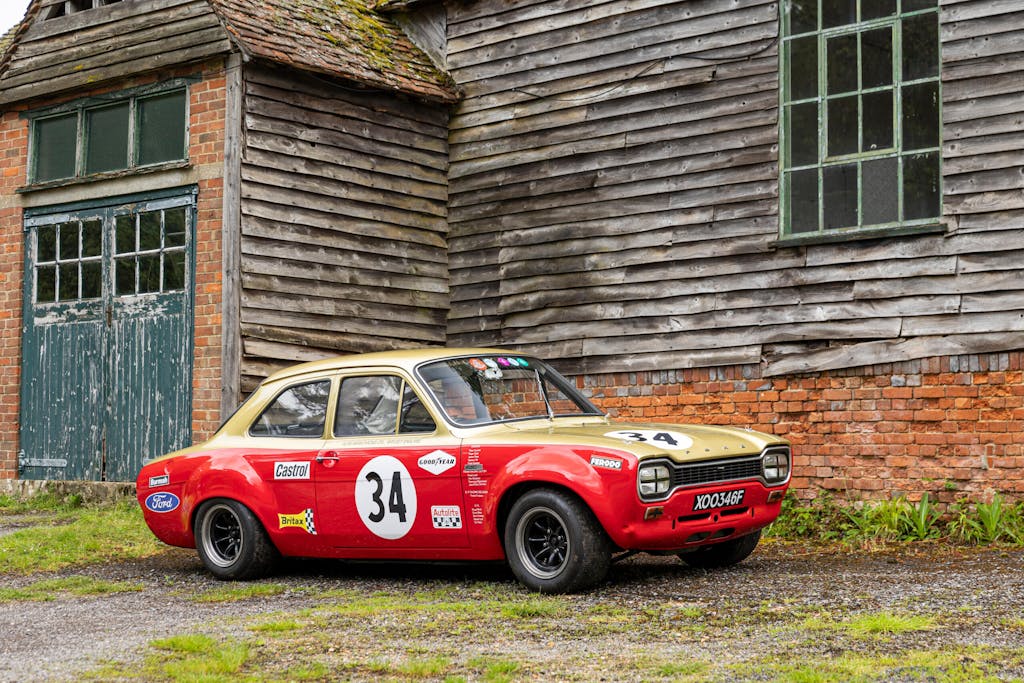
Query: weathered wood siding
x=614 y=194
x=97 y=45
x=343 y=202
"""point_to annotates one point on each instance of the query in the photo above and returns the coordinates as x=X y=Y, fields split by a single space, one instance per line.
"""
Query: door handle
x=329 y=456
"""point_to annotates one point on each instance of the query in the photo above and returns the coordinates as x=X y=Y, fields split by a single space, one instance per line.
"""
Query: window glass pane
x=125 y=228
x=878 y=120
x=415 y=417
x=149 y=231
x=838 y=12
x=803 y=65
x=803 y=134
x=881 y=191
x=46 y=279
x=367 y=405
x=921 y=197
x=913 y=5
x=875 y=9
x=839 y=190
x=298 y=412
x=921 y=46
x=107 y=138
x=56 y=141
x=68 y=281
x=162 y=128
x=921 y=115
x=803 y=16
x=92 y=238
x=803 y=200
x=842 y=126
x=174 y=227
x=174 y=270
x=92 y=280
x=876 y=53
x=125 y=276
x=149 y=273
x=842 y=64
x=46 y=243
x=68 y=241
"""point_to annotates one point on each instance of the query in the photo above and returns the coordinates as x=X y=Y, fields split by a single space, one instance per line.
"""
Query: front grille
x=715 y=471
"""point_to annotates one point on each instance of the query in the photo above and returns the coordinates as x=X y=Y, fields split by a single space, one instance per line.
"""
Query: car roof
x=406 y=359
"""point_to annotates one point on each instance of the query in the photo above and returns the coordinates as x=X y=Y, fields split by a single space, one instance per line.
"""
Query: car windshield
x=483 y=389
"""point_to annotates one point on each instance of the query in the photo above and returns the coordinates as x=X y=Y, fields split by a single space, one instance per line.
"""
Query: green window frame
x=861 y=119
x=94 y=137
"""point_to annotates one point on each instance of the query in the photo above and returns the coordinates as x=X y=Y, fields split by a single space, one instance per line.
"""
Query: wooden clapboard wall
x=614 y=194
x=343 y=221
x=93 y=46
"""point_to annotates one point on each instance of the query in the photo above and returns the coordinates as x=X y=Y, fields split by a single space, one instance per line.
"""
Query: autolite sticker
x=437 y=462
x=446 y=516
x=291 y=470
x=300 y=520
x=607 y=463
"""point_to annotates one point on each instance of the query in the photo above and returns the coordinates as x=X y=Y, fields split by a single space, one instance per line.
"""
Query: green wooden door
x=107 y=339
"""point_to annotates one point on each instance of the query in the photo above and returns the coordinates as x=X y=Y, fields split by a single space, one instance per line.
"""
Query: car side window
x=298 y=411
x=370 y=406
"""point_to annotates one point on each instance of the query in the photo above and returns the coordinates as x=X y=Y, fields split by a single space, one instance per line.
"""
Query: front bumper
x=675 y=525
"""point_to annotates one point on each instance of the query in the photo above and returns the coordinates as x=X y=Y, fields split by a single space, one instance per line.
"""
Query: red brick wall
x=206 y=147
x=945 y=426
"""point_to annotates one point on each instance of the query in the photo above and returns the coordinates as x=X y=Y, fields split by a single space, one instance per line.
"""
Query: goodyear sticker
x=446 y=516
x=300 y=520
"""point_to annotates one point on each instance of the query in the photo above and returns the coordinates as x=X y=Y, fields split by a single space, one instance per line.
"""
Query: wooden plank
x=1005 y=177
x=231 y=341
x=974 y=9
x=980 y=108
x=353 y=260
x=994 y=144
x=255 y=348
x=333 y=341
x=379 y=315
x=915 y=246
x=299 y=282
x=889 y=351
x=962 y=283
x=985 y=261
x=79 y=21
x=409 y=334
x=258 y=261
x=1008 y=200
x=973 y=323
x=981 y=46
x=978 y=127
x=742 y=355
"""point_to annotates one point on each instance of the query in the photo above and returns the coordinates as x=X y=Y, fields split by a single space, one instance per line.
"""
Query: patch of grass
x=41 y=502
x=682 y=671
x=238 y=592
x=876 y=624
x=49 y=589
x=493 y=670
x=284 y=626
x=533 y=608
x=423 y=668
x=197 y=658
x=92 y=536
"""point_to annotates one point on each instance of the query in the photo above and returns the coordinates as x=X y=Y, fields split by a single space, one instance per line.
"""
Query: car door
x=388 y=479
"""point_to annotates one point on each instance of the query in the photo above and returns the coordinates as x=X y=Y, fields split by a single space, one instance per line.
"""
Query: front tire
x=554 y=544
x=722 y=554
x=231 y=541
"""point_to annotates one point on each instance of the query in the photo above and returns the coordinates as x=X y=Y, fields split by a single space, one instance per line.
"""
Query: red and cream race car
x=464 y=454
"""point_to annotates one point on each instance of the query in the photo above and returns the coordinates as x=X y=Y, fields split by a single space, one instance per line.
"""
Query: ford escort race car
x=467 y=454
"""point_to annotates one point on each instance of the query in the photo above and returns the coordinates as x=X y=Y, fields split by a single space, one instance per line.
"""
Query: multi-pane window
x=69 y=261
x=149 y=253
x=861 y=115
x=88 y=138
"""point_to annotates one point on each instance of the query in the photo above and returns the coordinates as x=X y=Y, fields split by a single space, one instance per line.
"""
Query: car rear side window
x=372 y=405
x=298 y=411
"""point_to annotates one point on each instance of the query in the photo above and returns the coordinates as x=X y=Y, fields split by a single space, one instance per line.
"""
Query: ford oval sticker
x=162 y=501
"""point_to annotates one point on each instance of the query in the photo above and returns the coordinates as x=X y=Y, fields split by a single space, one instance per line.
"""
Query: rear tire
x=231 y=541
x=722 y=554
x=554 y=544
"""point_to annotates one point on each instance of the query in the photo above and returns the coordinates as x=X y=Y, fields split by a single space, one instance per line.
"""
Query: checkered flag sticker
x=310 y=527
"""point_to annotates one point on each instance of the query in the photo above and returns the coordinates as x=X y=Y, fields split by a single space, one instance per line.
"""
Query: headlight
x=776 y=466
x=654 y=480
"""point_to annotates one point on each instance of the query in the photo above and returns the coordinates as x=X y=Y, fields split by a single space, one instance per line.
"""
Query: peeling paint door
x=107 y=338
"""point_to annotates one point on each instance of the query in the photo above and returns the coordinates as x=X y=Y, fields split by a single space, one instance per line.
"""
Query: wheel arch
x=517 y=491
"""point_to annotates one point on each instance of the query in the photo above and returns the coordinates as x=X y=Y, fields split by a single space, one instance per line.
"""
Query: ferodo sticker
x=300 y=520
x=437 y=462
x=386 y=497
x=446 y=516
x=607 y=463
x=162 y=501
x=672 y=441
x=291 y=470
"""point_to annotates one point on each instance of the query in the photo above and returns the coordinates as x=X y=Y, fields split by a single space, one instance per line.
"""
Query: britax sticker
x=446 y=516
x=299 y=520
x=291 y=470
x=437 y=462
x=162 y=480
x=162 y=501
x=607 y=463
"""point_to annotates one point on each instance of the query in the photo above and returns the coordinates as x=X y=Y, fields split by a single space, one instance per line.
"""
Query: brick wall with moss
x=946 y=426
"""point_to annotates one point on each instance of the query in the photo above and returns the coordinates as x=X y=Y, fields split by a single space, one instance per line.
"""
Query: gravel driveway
x=981 y=591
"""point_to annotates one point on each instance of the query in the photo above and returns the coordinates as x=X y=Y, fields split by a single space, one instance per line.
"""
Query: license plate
x=721 y=499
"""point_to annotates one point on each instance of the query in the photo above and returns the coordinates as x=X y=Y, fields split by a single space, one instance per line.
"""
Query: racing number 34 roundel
x=386 y=497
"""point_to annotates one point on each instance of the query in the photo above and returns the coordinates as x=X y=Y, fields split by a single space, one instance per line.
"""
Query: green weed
x=236 y=592
x=49 y=589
